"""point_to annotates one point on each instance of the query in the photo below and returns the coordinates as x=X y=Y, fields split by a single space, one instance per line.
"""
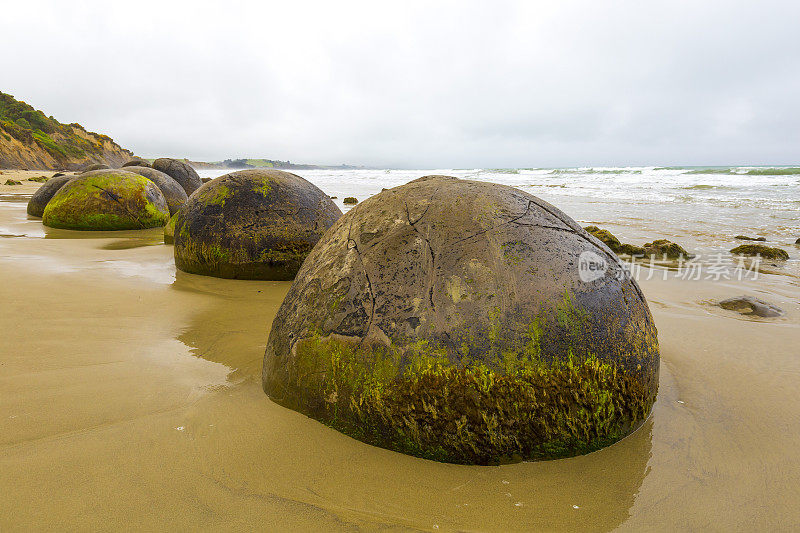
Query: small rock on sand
x=748 y=305
x=746 y=238
x=766 y=252
x=350 y=200
x=13 y=182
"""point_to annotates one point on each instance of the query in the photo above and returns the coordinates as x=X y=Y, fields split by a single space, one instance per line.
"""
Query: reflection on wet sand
x=232 y=327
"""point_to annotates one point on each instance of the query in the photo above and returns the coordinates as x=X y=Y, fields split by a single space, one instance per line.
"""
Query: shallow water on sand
x=130 y=398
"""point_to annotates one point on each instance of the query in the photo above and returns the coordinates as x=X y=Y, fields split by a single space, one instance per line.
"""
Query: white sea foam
x=720 y=200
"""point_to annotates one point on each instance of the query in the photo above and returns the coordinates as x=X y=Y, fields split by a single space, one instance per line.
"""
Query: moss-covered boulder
x=181 y=172
x=465 y=322
x=107 y=200
x=766 y=252
x=43 y=194
x=172 y=190
x=664 y=248
x=252 y=224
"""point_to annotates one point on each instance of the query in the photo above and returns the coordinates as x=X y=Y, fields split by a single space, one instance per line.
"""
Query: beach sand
x=130 y=398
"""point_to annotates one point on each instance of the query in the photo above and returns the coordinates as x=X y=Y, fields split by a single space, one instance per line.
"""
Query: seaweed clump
x=614 y=243
x=665 y=248
x=766 y=252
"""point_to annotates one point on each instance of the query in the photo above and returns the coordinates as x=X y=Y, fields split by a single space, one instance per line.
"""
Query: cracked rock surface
x=467 y=270
x=252 y=224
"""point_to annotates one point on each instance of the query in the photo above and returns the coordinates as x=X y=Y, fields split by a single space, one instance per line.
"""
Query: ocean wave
x=503 y=170
x=703 y=186
x=748 y=171
x=558 y=171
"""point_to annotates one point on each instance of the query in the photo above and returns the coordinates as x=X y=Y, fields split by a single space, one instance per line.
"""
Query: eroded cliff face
x=29 y=139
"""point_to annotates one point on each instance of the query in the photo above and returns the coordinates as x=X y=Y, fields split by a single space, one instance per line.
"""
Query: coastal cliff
x=30 y=139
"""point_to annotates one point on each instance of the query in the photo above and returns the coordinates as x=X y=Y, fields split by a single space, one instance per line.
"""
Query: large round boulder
x=465 y=322
x=94 y=166
x=43 y=194
x=181 y=172
x=107 y=200
x=172 y=190
x=252 y=224
x=137 y=162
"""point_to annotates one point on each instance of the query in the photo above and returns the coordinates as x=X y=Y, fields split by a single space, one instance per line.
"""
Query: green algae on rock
x=448 y=319
x=606 y=236
x=43 y=194
x=350 y=200
x=613 y=242
x=766 y=252
x=107 y=200
x=665 y=248
x=173 y=192
x=252 y=224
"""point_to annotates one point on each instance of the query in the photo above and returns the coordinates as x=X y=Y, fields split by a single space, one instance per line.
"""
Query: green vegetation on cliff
x=34 y=139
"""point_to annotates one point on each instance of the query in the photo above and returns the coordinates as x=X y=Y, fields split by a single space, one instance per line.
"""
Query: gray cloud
x=425 y=84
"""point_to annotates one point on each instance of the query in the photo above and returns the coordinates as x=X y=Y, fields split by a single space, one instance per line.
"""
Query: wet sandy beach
x=130 y=398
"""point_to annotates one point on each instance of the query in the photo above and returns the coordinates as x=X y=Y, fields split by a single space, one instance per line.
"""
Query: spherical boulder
x=181 y=172
x=107 y=200
x=252 y=224
x=172 y=190
x=43 y=194
x=94 y=166
x=137 y=162
x=465 y=322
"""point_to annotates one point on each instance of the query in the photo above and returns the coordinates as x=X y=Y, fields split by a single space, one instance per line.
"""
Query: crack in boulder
x=116 y=199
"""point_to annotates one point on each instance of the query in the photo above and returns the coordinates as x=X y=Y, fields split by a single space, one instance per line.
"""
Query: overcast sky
x=419 y=84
